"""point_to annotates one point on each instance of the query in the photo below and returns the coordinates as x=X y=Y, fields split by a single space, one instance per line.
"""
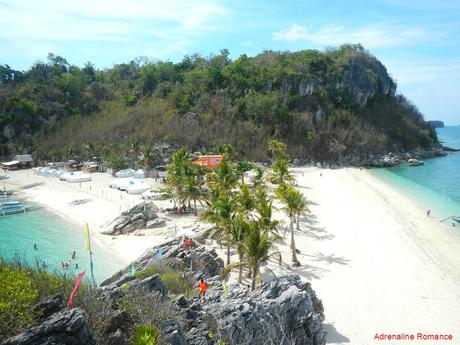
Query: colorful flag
x=133 y=270
x=75 y=289
x=87 y=241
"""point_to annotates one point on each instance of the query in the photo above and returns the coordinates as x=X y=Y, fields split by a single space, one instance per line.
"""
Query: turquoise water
x=56 y=239
x=434 y=185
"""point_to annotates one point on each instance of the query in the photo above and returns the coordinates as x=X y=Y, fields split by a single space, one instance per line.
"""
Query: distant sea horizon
x=434 y=185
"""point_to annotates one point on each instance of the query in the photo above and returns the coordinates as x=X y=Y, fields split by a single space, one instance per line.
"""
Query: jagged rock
x=286 y=310
x=135 y=218
x=116 y=321
x=172 y=332
x=48 y=306
x=152 y=284
x=156 y=223
x=181 y=301
x=65 y=328
x=117 y=338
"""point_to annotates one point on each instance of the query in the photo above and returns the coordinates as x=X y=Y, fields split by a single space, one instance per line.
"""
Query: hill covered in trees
x=324 y=105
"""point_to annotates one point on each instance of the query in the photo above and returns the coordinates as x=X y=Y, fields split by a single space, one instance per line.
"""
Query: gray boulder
x=48 y=306
x=283 y=311
x=65 y=328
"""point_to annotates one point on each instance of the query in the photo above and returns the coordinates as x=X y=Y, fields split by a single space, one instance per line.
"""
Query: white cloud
x=370 y=36
x=247 y=43
x=105 y=20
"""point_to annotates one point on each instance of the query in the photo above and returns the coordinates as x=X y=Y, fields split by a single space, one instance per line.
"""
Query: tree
x=224 y=175
x=280 y=171
x=221 y=212
x=257 y=246
x=294 y=205
x=239 y=232
x=277 y=149
x=87 y=149
x=241 y=167
x=150 y=157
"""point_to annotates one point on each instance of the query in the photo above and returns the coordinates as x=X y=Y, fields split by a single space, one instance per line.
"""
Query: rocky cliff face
x=63 y=328
x=283 y=311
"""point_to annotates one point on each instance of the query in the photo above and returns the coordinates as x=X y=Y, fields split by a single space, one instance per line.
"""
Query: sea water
x=434 y=185
x=55 y=239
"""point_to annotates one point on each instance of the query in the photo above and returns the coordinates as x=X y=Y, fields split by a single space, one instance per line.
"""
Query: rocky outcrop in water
x=141 y=216
x=64 y=328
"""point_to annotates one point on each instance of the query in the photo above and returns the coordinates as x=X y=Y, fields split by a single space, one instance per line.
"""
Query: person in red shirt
x=202 y=286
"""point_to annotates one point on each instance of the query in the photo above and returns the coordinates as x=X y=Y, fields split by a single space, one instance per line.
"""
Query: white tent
x=139 y=174
x=125 y=173
x=137 y=187
x=77 y=176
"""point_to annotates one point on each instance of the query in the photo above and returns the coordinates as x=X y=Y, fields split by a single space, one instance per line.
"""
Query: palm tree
x=150 y=157
x=294 y=203
x=257 y=246
x=241 y=167
x=176 y=174
x=239 y=231
x=192 y=190
x=259 y=177
x=277 y=148
x=222 y=207
x=224 y=175
x=87 y=148
x=264 y=208
x=280 y=171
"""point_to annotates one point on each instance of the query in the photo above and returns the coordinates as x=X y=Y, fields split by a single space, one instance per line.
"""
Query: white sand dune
x=378 y=263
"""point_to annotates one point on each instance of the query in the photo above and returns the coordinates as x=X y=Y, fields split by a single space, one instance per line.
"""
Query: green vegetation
x=323 y=105
x=21 y=287
x=145 y=335
x=176 y=283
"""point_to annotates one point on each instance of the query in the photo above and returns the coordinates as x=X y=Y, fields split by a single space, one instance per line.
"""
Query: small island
x=436 y=124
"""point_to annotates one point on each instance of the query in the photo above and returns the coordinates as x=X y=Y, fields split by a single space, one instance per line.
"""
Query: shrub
x=176 y=283
x=17 y=299
x=145 y=335
x=146 y=273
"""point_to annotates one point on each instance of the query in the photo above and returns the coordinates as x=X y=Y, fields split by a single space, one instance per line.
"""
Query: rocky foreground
x=283 y=311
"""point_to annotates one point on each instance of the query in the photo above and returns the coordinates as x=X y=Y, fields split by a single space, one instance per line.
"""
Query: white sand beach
x=378 y=263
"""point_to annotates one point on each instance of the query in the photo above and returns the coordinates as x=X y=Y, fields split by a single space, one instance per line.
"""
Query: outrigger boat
x=15 y=208
x=454 y=218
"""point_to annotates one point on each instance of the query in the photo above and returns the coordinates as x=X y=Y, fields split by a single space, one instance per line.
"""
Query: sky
x=417 y=40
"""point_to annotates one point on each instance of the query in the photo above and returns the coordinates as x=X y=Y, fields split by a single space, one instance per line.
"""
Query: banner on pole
x=75 y=289
x=87 y=241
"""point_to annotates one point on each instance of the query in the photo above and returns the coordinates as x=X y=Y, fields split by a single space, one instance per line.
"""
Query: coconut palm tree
x=150 y=157
x=259 y=177
x=264 y=211
x=294 y=203
x=239 y=231
x=221 y=211
x=280 y=171
x=257 y=247
x=277 y=148
x=224 y=175
x=241 y=167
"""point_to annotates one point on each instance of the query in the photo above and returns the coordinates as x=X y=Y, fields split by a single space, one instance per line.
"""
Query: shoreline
x=373 y=257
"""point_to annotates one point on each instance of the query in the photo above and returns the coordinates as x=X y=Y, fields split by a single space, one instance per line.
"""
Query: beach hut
x=209 y=161
x=25 y=161
x=11 y=165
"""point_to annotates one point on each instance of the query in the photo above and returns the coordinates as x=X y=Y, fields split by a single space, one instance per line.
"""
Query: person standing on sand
x=428 y=213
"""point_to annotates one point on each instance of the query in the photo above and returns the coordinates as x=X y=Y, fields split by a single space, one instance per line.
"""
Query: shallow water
x=434 y=185
x=56 y=239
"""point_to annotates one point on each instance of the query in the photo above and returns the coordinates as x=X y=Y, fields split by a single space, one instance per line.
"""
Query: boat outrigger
x=13 y=208
x=454 y=218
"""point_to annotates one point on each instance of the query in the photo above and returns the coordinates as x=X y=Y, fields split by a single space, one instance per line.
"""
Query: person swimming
x=35 y=246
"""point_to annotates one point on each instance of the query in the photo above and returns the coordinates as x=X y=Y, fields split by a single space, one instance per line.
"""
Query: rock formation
x=63 y=328
x=141 y=216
